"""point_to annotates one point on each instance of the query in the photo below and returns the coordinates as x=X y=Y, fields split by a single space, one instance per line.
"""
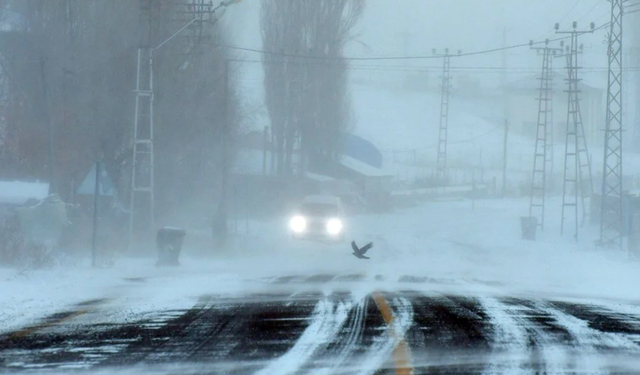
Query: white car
x=319 y=217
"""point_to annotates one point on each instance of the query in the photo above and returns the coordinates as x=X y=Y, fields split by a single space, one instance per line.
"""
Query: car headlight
x=334 y=226
x=298 y=224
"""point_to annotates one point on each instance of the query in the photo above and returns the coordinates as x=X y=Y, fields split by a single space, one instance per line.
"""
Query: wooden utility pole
x=49 y=123
x=219 y=225
x=504 y=161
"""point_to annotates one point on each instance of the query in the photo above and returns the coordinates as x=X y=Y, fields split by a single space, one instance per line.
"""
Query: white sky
x=414 y=27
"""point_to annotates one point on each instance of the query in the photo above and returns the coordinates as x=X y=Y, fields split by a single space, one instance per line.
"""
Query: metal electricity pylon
x=545 y=117
x=142 y=202
x=611 y=219
x=445 y=96
x=577 y=184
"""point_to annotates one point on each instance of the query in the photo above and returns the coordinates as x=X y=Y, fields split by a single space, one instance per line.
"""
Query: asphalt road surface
x=340 y=332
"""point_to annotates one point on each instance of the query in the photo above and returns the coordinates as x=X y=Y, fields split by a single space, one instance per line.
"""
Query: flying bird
x=359 y=253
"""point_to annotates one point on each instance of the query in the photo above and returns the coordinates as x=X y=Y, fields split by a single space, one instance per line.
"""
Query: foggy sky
x=414 y=27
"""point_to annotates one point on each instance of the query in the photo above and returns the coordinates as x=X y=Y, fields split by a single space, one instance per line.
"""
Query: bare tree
x=72 y=70
x=306 y=75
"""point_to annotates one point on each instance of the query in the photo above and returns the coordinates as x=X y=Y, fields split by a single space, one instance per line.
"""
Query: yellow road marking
x=30 y=330
x=401 y=351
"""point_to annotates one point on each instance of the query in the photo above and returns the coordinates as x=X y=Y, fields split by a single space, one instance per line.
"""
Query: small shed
x=373 y=184
x=14 y=194
x=17 y=193
x=331 y=186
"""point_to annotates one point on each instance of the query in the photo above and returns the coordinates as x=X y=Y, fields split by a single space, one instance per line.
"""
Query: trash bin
x=528 y=225
x=169 y=242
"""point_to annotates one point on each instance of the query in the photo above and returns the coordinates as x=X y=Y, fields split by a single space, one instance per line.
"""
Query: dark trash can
x=169 y=243
x=528 y=225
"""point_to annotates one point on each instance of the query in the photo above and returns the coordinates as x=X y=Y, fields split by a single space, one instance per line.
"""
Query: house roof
x=19 y=192
x=363 y=169
x=322 y=199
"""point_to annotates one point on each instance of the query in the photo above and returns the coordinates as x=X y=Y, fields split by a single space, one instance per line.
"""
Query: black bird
x=359 y=253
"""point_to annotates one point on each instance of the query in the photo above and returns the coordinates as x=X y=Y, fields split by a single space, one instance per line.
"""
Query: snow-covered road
x=338 y=333
x=449 y=288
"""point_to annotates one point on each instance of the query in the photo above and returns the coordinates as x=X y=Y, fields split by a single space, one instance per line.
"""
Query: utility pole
x=143 y=172
x=503 y=76
x=611 y=216
x=541 y=151
x=219 y=226
x=550 y=137
x=49 y=122
x=445 y=96
x=504 y=157
x=96 y=198
x=265 y=143
x=505 y=112
x=503 y=72
x=577 y=166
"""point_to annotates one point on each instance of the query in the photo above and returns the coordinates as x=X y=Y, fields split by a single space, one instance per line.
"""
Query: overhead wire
x=580 y=19
x=590 y=10
x=421 y=57
x=379 y=58
x=570 y=10
x=427 y=69
x=392 y=58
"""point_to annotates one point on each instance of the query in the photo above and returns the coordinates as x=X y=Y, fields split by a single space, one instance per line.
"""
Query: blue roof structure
x=360 y=149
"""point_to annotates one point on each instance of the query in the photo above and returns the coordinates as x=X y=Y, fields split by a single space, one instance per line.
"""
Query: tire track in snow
x=547 y=338
x=510 y=339
x=590 y=342
x=327 y=319
x=384 y=345
x=346 y=349
x=449 y=334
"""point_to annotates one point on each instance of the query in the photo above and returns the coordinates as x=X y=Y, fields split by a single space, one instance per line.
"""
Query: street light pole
x=142 y=178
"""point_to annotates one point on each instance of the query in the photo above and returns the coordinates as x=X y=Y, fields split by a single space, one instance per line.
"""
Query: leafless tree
x=71 y=69
x=306 y=75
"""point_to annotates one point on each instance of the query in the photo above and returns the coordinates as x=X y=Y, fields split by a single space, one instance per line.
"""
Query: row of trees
x=306 y=77
x=68 y=72
x=68 y=68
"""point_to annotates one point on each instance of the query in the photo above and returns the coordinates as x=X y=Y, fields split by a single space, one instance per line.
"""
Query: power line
x=590 y=10
x=570 y=10
x=390 y=58
x=602 y=16
x=427 y=69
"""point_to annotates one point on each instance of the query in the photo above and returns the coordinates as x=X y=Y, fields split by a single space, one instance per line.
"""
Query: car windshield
x=319 y=209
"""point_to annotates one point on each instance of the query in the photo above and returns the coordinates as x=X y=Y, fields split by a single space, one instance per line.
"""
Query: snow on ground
x=404 y=125
x=437 y=247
